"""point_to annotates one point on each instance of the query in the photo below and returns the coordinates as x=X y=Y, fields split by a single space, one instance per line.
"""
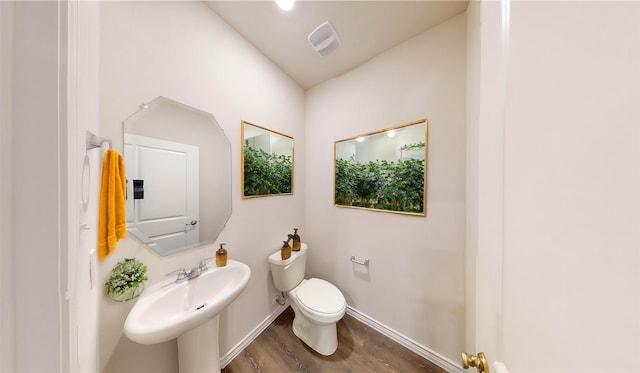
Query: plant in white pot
x=126 y=280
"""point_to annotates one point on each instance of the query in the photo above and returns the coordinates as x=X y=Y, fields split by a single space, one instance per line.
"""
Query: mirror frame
x=423 y=212
x=243 y=123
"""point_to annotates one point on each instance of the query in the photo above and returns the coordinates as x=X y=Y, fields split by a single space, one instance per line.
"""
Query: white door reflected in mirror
x=170 y=169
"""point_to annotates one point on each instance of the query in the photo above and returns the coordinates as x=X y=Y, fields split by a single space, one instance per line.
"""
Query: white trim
x=72 y=188
x=434 y=357
x=490 y=182
x=66 y=209
x=238 y=348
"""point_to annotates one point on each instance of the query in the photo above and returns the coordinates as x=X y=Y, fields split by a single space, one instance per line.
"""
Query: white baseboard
x=237 y=349
x=434 y=357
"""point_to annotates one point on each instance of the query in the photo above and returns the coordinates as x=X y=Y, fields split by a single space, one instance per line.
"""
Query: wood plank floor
x=360 y=350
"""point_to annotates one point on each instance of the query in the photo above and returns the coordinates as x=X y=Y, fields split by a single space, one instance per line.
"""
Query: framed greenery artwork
x=384 y=170
x=267 y=162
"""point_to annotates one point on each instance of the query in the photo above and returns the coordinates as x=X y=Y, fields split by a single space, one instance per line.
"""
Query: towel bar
x=94 y=141
x=361 y=262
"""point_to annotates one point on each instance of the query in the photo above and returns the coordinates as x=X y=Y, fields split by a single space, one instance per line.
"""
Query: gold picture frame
x=266 y=162
x=385 y=170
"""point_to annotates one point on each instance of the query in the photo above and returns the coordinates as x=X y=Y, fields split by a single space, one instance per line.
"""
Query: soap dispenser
x=221 y=256
x=285 y=252
x=296 y=240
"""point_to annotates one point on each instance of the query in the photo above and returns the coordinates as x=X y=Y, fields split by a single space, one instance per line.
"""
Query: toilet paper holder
x=361 y=262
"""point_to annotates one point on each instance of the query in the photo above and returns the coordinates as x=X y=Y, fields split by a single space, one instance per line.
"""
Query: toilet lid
x=321 y=296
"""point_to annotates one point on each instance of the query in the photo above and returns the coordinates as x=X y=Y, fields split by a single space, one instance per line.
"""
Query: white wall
x=183 y=51
x=39 y=201
x=572 y=182
x=415 y=283
x=7 y=303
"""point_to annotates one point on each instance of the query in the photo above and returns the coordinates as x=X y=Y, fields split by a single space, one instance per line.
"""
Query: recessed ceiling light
x=285 y=4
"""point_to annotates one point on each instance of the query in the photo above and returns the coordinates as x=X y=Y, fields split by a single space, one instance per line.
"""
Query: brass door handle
x=477 y=361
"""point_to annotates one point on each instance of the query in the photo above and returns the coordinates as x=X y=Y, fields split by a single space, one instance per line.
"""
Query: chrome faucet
x=184 y=275
x=193 y=273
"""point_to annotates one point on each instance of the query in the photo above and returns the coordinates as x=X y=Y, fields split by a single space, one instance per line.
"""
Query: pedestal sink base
x=198 y=349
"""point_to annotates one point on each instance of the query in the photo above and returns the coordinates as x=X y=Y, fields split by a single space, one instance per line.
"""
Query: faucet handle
x=203 y=264
x=182 y=274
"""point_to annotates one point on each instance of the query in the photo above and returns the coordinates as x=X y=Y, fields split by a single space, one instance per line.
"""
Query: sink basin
x=169 y=309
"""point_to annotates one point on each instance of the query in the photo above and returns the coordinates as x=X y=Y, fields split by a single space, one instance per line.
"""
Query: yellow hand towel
x=112 y=222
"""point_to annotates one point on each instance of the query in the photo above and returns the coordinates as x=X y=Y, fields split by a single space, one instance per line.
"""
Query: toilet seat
x=321 y=300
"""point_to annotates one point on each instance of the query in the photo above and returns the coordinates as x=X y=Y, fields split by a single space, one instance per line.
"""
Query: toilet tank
x=287 y=274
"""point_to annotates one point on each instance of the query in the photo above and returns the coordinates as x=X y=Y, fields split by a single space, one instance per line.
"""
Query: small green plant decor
x=126 y=280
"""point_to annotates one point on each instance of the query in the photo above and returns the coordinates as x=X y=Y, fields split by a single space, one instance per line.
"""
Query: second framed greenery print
x=384 y=170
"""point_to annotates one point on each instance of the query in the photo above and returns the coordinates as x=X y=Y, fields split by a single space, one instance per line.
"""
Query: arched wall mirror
x=178 y=164
x=267 y=162
x=384 y=170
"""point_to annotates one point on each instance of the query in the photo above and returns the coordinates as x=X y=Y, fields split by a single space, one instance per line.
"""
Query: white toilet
x=318 y=304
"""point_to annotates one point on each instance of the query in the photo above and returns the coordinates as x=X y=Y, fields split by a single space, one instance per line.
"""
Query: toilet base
x=322 y=338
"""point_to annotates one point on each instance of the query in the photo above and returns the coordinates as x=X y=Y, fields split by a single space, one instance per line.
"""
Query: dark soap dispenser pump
x=296 y=240
x=221 y=256
x=285 y=252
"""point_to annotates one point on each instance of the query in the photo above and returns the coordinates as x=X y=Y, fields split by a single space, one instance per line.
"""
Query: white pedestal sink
x=190 y=312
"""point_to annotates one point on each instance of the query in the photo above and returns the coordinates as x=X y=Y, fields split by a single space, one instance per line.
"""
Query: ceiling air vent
x=324 y=39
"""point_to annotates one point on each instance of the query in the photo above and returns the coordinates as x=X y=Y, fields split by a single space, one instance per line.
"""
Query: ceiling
x=366 y=29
